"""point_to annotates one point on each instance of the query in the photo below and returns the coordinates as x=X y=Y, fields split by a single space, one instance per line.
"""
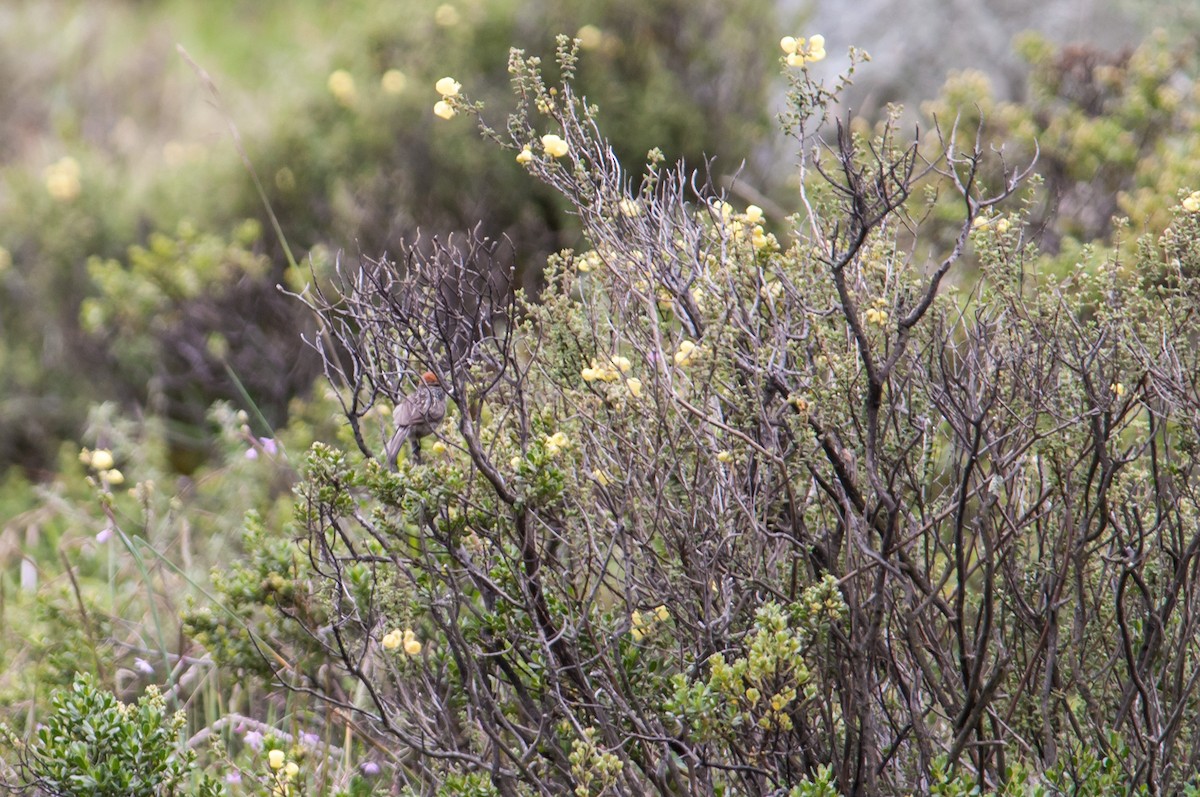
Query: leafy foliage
x=92 y=744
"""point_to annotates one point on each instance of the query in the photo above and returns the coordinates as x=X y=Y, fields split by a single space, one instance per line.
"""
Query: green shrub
x=93 y=745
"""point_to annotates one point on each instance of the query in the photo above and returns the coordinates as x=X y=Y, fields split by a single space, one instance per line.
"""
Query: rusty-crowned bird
x=416 y=415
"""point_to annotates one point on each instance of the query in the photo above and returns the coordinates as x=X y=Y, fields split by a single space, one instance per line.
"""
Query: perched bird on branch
x=417 y=415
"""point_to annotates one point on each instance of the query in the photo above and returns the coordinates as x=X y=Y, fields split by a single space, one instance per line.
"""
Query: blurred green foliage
x=333 y=111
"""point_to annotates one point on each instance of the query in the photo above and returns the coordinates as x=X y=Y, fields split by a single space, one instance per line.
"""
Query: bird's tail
x=392 y=451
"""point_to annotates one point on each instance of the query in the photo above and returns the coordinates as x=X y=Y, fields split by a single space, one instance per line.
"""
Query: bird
x=417 y=414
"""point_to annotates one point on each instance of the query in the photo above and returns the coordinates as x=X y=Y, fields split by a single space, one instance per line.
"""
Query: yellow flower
x=877 y=317
x=622 y=363
x=438 y=447
x=101 y=459
x=524 y=156
x=590 y=37
x=759 y=239
x=637 y=626
x=448 y=87
x=554 y=145
x=292 y=769
x=444 y=109
x=341 y=86
x=412 y=645
x=601 y=477
x=634 y=385
x=1192 y=203
x=754 y=214
x=1002 y=226
x=392 y=640
x=662 y=613
x=724 y=456
x=800 y=52
x=979 y=221
x=515 y=462
x=555 y=443
x=1118 y=389
x=816 y=47
x=62 y=179
x=276 y=758
x=113 y=476
x=687 y=353
x=393 y=81
x=446 y=16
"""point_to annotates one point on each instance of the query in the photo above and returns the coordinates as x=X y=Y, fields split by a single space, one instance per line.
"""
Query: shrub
x=725 y=513
x=92 y=744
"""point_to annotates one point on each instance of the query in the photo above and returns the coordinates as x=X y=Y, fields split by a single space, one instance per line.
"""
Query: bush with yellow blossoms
x=746 y=503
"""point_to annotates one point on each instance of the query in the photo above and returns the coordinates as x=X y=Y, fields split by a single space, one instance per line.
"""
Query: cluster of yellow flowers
x=688 y=353
x=748 y=224
x=800 y=51
x=406 y=639
x=101 y=461
x=877 y=315
x=554 y=145
x=1000 y=225
x=642 y=624
x=556 y=443
x=1192 y=202
x=606 y=372
x=277 y=759
x=62 y=179
x=448 y=87
x=588 y=261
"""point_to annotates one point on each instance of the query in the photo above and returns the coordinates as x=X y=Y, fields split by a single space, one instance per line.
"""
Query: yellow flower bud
x=102 y=459
x=524 y=156
x=393 y=81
